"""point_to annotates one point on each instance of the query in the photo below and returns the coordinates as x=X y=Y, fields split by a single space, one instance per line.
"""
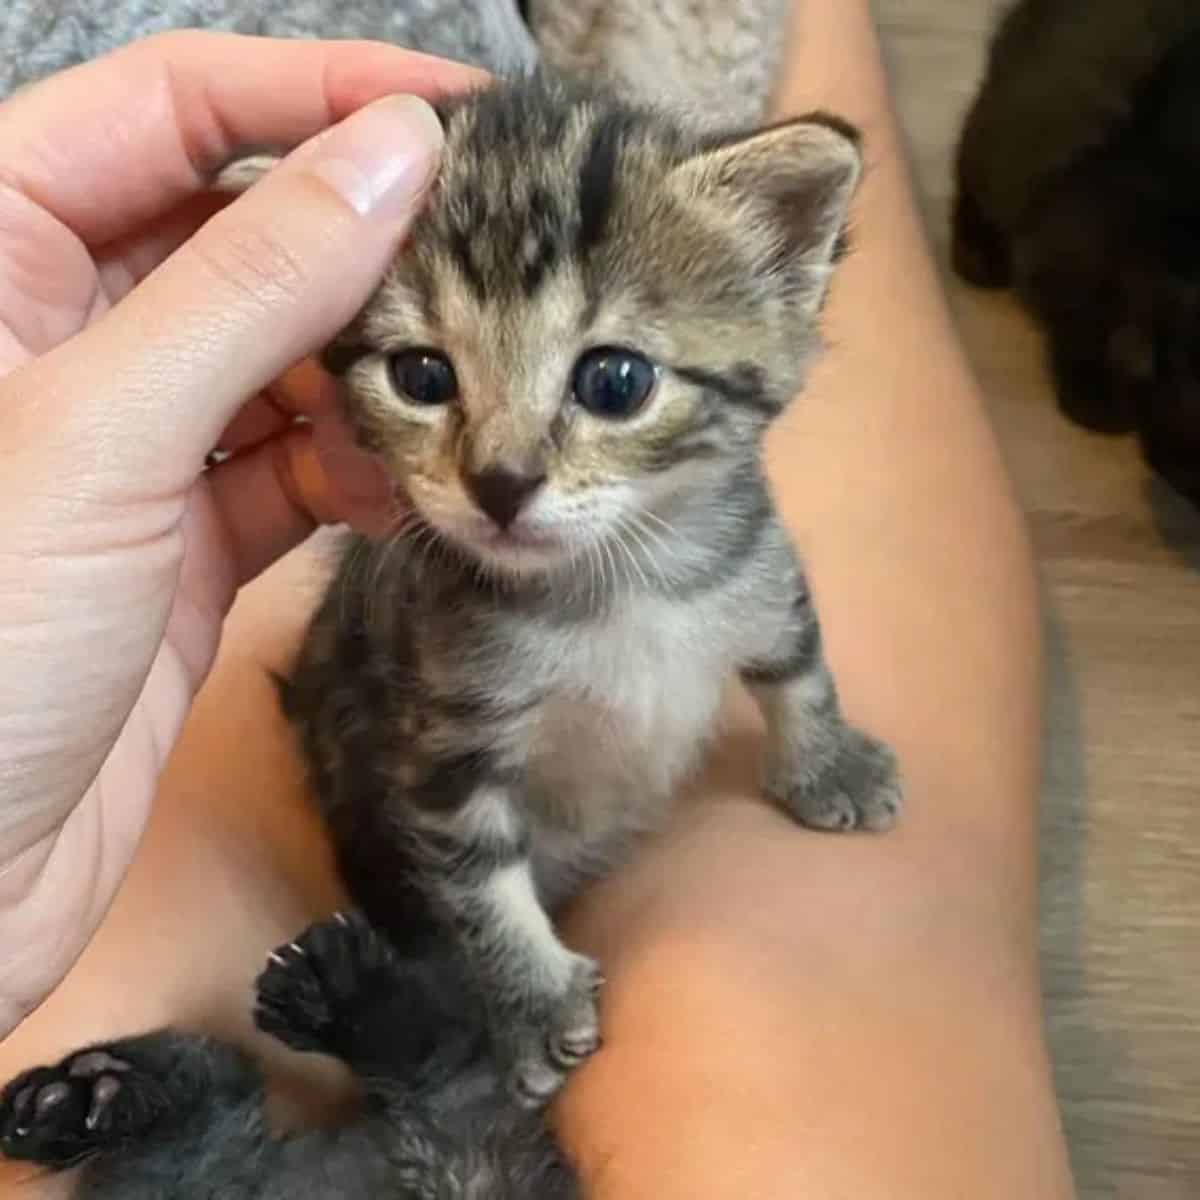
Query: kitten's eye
x=424 y=376
x=610 y=382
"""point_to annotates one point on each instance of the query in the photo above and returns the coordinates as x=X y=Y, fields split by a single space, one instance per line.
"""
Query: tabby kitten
x=569 y=372
x=1077 y=184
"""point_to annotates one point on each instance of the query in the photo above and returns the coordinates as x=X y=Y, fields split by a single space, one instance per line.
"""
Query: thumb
x=153 y=383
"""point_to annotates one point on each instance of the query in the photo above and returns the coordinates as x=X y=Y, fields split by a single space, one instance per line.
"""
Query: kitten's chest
x=627 y=704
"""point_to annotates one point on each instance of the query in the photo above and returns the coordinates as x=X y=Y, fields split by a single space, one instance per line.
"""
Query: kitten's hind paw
x=857 y=787
x=92 y=1100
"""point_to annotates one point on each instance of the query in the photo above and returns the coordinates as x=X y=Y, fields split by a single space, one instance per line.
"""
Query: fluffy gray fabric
x=715 y=57
x=40 y=36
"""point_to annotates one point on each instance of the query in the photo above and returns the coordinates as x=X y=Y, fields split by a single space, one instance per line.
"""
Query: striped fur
x=489 y=727
x=491 y=720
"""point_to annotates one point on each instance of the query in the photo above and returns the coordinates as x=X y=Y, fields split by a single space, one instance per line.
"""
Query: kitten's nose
x=502 y=493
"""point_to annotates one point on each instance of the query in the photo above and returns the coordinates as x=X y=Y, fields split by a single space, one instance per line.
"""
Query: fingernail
x=382 y=158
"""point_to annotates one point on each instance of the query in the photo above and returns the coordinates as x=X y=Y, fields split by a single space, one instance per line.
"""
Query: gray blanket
x=41 y=36
x=716 y=56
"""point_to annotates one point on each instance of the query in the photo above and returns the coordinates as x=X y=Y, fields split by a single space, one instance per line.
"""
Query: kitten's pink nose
x=502 y=493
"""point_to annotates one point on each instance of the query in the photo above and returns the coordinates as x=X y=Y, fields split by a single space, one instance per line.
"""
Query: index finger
x=114 y=143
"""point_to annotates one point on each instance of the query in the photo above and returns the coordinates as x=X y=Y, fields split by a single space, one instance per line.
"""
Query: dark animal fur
x=1079 y=184
x=171 y=1116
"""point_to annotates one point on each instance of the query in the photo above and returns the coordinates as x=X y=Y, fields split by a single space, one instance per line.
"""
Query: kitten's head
x=595 y=318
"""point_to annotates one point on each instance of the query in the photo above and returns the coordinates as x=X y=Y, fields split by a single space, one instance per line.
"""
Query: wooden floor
x=1120 y=558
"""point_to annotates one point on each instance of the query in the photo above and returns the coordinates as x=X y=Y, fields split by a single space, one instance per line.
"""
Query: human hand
x=142 y=324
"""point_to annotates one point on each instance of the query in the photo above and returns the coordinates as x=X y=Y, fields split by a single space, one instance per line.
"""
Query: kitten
x=569 y=372
x=172 y=1116
x=1077 y=184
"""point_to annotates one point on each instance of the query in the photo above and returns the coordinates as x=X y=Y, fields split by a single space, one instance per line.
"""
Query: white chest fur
x=629 y=703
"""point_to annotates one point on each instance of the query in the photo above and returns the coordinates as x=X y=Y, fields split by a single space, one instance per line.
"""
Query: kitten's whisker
x=349 y=574
x=657 y=538
x=625 y=526
x=381 y=552
x=414 y=535
x=662 y=552
x=660 y=557
x=597 y=548
x=426 y=544
x=383 y=555
x=666 y=526
x=437 y=549
x=595 y=573
x=375 y=556
x=611 y=564
x=593 y=561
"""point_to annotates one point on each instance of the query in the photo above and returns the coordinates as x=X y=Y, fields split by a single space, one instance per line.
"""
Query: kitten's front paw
x=58 y=1116
x=857 y=787
x=546 y=1036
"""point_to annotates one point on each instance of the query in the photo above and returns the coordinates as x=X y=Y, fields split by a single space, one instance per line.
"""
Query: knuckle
x=183 y=39
x=169 y=45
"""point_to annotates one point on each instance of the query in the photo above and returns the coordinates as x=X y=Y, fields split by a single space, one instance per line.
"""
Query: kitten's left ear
x=242 y=172
x=801 y=174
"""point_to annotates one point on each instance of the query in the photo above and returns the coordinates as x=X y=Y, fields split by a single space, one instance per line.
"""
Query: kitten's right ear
x=243 y=172
x=801 y=174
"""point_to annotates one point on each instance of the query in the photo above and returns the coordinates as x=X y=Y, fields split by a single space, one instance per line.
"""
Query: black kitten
x=1079 y=185
x=172 y=1116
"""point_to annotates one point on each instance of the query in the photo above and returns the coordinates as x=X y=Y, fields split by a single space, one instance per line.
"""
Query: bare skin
x=786 y=1014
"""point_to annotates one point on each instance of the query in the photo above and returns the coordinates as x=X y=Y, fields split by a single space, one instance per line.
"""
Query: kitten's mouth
x=517 y=549
x=520 y=539
x=520 y=548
